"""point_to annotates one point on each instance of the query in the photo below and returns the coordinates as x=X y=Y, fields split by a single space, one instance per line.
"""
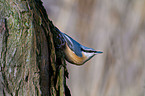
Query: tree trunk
x=30 y=63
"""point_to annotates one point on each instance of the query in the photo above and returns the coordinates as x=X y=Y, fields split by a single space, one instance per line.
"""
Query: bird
x=74 y=52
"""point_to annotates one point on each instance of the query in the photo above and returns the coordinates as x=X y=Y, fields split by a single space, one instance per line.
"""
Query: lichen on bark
x=29 y=61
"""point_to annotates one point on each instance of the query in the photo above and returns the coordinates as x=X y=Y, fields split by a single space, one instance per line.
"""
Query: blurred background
x=116 y=27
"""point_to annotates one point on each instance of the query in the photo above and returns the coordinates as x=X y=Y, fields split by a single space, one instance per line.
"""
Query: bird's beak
x=99 y=52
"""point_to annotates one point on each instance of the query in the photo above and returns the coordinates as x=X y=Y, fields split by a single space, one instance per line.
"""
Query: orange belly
x=71 y=57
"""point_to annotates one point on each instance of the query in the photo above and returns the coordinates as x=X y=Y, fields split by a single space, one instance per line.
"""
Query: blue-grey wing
x=72 y=44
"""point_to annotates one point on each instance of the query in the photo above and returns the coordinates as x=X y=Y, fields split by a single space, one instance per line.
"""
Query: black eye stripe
x=88 y=50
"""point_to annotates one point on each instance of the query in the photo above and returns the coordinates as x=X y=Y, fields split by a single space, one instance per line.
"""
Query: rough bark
x=30 y=63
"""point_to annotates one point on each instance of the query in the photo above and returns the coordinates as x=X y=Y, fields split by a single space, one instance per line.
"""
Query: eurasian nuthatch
x=76 y=53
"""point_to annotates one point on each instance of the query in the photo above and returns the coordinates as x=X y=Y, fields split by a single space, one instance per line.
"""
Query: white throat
x=88 y=55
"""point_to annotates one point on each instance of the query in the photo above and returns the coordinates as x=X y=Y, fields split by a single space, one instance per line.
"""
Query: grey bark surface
x=28 y=59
